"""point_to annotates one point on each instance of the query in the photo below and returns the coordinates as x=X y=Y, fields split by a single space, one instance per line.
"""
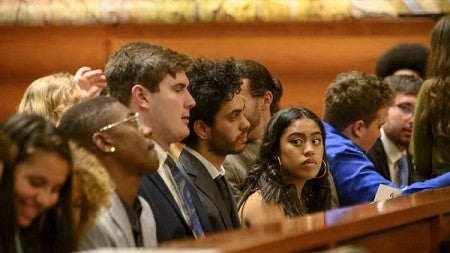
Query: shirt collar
x=392 y=152
x=161 y=154
x=213 y=171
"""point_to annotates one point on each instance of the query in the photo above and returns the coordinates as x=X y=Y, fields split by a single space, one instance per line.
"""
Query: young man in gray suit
x=111 y=132
x=217 y=128
x=262 y=95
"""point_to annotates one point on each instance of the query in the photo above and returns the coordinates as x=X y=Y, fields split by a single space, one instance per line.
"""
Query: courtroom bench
x=415 y=223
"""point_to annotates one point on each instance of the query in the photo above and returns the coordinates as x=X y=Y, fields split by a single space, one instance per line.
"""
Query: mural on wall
x=80 y=12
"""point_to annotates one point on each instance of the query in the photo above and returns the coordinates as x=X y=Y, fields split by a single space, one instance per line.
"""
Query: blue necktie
x=181 y=182
x=402 y=172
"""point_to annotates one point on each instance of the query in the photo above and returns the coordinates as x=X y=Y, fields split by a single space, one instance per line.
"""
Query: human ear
x=358 y=129
x=267 y=100
x=138 y=95
x=201 y=129
x=102 y=142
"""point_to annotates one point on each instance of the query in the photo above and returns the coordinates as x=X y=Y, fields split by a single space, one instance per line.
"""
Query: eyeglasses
x=406 y=108
x=133 y=118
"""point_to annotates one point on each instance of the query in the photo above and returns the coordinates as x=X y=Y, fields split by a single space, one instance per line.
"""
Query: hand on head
x=90 y=81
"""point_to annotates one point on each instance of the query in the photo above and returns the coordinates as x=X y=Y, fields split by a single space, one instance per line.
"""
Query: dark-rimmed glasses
x=406 y=108
x=132 y=117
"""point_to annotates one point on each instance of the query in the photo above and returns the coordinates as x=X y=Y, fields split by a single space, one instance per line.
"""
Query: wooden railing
x=306 y=56
x=415 y=223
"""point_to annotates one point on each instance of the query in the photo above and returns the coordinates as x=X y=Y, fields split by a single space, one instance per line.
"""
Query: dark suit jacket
x=170 y=223
x=377 y=155
x=207 y=189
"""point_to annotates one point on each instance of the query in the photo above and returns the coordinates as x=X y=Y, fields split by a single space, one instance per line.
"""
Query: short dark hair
x=211 y=85
x=406 y=84
x=355 y=96
x=260 y=81
x=82 y=120
x=411 y=56
x=141 y=63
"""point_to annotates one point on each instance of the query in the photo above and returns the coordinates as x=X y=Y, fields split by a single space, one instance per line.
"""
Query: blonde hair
x=96 y=185
x=50 y=96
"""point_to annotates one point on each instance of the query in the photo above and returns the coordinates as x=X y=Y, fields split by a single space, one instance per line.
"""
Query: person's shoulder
x=256 y=212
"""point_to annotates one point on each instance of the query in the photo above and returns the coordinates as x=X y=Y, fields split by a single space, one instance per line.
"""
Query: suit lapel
x=164 y=190
x=203 y=182
x=119 y=216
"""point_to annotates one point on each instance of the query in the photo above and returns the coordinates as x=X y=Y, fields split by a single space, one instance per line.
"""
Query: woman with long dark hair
x=41 y=179
x=8 y=153
x=291 y=175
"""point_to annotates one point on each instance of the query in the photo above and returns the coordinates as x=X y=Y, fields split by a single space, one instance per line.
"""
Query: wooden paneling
x=306 y=56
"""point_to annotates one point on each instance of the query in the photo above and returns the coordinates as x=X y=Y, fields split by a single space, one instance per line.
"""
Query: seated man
x=151 y=80
x=262 y=95
x=355 y=108
x=390 y=154
x=217 y=128
x=111 y=132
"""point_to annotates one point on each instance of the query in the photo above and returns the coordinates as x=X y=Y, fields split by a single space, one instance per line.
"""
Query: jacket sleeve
x=422 y=136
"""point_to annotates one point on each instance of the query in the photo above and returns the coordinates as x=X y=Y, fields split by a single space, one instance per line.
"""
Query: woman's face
x=301 y=150
x=38 y=181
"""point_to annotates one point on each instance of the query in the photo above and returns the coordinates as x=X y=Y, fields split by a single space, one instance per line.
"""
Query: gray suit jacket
x=113 y=229
x=237 y=166
x=209 y=193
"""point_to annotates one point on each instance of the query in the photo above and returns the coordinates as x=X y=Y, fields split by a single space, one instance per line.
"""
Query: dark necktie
x=222 y=185
x=181 y=182
x=401 y=174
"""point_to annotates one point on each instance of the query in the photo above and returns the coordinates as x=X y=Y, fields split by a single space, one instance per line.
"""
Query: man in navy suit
x=396 y=131
x=151 y=80
x=217 y=128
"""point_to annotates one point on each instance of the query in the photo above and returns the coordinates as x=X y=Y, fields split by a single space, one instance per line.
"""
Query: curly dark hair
x=266 y=174
x=211 y=85
x=411 y=56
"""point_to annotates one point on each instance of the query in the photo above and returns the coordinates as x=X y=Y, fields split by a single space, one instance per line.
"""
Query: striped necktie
x=181 y=183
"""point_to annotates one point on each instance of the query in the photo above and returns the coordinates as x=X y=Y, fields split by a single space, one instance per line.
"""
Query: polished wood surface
x=306 y=56
x=414 y=223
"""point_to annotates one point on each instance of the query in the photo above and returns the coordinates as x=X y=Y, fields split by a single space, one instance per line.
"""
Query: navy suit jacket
x=377 y=155
x=222 y=213
x=170 y=223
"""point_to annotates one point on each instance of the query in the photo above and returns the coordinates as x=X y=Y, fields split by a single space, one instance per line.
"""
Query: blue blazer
x=170 y=223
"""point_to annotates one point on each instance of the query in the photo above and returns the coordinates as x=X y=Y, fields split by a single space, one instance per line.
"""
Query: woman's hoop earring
x=279 y=161
x=325 y=168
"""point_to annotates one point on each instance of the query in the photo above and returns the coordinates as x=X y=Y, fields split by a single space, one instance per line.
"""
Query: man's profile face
x=229 y=133
x=252 y=111
x=169 y=107
x=371 y=132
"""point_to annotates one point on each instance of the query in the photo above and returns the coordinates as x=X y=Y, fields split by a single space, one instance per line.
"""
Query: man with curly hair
x=217 y=128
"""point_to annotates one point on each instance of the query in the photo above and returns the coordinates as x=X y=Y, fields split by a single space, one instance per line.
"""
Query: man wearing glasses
x=390 y=153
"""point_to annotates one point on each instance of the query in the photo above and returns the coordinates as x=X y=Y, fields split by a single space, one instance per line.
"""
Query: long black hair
x=8 y=152
x=53 y=230
x=266 y=174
